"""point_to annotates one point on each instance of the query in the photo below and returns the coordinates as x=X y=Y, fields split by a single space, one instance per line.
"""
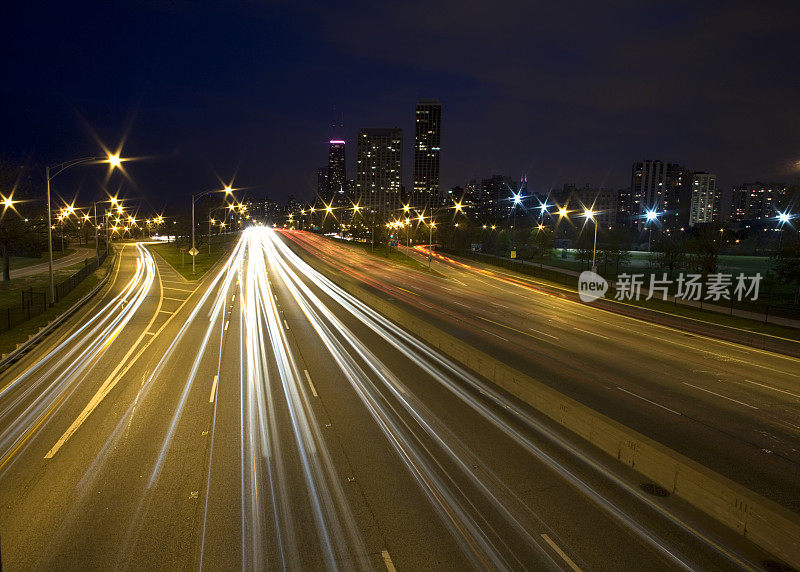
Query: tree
x=20 y=223
x=541 y=243
x=670 y=254
x=786 y=265
x=702 y=251
x=615 y=250
x=503 y=244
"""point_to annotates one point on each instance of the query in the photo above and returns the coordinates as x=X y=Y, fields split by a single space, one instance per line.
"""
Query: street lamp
x=113 y=160
x=650 y=217
x=590 y=214
x=227 y=190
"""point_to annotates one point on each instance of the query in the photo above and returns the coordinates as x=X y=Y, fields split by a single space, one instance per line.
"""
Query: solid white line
x=648 y=401
x=226 y=325
x=722 y=396
x=588 y=332
x=387 y=560
x=561 y=553
x=310 y=383
x=213 y=389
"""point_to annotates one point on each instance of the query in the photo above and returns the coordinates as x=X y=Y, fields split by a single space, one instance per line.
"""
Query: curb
x=760 y=520
x=41 y=334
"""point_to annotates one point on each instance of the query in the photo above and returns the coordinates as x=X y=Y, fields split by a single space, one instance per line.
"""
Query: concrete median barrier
x=763 y=522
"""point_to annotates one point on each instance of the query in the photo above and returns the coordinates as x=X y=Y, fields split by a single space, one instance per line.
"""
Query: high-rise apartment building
x=705 y=199
x=758 y=201
x=665 y=188
x=337 y=173
x=427 y=141
x=379 y=169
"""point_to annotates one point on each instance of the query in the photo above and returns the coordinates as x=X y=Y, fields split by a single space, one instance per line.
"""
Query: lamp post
x=113 y=160
x=650 y=217
x=590 y=214
x=227 y=190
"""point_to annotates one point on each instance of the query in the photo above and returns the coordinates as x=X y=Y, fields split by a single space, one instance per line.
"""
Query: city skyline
x=507 y=112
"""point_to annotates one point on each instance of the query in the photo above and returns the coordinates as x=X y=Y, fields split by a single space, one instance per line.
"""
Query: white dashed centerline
x=310 y=383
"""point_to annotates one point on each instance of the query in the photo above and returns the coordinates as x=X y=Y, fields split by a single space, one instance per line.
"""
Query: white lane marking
x=226 y=325
x=460 y=304
x=588 y=332
x=495 y=335
x=722 y=396
x=310 y=383
x=388 y=561
x=561 y=553
x=213 y=389
x=648 y=401
x=178 y=289
x=543 y=333
x=773 y=388
x=285 y=323
x=499 y=305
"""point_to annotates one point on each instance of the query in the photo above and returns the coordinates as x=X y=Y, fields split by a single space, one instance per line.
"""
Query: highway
x=732 y=408
x=263 y=418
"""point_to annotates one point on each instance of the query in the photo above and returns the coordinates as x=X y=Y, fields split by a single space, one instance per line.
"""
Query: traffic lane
x=505 y=454
x=39 y=385
x=755 y=399
x=768 y=442
x=714 y=432
x=49 y=495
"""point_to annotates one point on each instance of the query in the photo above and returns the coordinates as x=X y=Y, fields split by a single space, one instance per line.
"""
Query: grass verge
x=19 y=334
x=391 y=254
x=182 y=262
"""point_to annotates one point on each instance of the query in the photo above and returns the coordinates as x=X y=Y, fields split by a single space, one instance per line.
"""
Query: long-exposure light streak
x=404 y=342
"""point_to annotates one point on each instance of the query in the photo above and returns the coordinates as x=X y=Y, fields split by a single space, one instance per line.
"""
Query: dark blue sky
x=567 y=91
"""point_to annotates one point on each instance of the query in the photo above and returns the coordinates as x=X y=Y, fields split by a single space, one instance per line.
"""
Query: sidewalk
x=79 y=255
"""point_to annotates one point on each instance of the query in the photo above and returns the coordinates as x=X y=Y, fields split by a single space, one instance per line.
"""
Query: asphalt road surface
x=732 y=408
x=264 y=419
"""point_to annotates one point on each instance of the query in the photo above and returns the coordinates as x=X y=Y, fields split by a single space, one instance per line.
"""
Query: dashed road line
x=649 y=401
x=310 y=383
x=722 y=396
x=561 y=553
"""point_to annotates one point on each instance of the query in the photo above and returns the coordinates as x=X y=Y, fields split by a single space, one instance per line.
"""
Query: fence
x=34 y=303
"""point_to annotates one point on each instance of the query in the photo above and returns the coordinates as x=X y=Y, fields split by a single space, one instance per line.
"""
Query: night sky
x=563 y=91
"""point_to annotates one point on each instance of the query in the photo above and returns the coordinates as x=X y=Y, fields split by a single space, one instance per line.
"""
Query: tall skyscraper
x=427 y=141
x=337 y=173
x=705 y=199
x=379 y=155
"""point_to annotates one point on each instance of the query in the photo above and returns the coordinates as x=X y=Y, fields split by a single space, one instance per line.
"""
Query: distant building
x=427 y=141
x=337 y=173
x=323 y=189
x=758 y=201
x=495 y=198
x=605 y=203
x=379 y=169
x=705 y=199
x=665 y=188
